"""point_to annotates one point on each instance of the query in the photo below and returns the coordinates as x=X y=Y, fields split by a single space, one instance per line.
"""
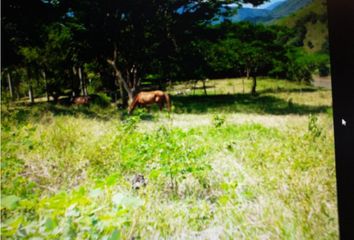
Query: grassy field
x=227 y=165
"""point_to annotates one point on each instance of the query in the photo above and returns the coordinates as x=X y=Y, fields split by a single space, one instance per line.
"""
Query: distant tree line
x=78 y=47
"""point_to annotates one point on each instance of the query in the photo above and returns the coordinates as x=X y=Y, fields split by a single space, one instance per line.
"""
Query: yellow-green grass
x=66 y=173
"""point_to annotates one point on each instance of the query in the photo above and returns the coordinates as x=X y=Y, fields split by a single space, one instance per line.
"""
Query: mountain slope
x=310 y=23
x=272 y=12
x=274 y=5
x=288 y=7
x=249 y=14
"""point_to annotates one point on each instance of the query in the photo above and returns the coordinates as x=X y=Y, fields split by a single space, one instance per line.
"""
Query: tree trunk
x=46 y=85
x=121 y=91
x=195 y=86
x=136 y=80
x=123 y=85
x=30 y=93
x=120 y=79
x=73 y=88
x=243 y=85
x=10 y=85
x=84 y=81
x=30 y=89
x=248 y=71
x=204 y=87
x=82 y=92
x=254 y=84
x=130 y=96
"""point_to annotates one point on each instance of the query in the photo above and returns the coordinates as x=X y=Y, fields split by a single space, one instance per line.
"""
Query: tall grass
x=71 y=177
x=67 y=174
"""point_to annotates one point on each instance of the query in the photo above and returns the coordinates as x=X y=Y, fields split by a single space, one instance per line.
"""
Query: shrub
x=101 y=99
x=218 y=120
x=313 y=127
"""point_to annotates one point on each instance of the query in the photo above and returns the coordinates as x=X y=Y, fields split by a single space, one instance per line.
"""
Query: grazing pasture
x=226 y=165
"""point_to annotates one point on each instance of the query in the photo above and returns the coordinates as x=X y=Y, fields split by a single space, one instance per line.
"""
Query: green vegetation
x=246 y=155
x=288 y=7
x=310 y=23
x=277 y=97
x=232 y=170
x=130 y=47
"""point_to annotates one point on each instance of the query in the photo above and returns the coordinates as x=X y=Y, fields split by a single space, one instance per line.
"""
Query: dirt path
x=324 y=82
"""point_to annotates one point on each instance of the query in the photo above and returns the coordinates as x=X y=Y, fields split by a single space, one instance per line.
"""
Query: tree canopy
x=64 y=45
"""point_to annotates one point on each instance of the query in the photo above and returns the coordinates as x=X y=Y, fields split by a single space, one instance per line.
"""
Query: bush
x=313 y=127
x=218 y=120
x=178 y=158
x=101 y=99
x=324 y=70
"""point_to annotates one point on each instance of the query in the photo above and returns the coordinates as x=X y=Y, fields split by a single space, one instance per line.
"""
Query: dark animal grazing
x=138 y=181
x=148 y=98
x=81 y=100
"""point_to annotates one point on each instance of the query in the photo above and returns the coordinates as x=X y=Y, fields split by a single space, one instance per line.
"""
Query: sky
x=264 y=5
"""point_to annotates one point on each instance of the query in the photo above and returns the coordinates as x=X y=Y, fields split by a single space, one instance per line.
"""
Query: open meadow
x=226 y=165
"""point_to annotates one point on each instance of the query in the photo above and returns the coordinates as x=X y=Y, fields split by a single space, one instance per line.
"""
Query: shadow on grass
x=241 y=103
x=23 y=112
x=202 y=88
x=287 y=90
x=197 y=104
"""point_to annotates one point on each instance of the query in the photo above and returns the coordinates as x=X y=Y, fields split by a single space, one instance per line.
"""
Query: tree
x=56 y=39
x=301 y=65
x=23 y=24
x=249 y=47
x=132 y=33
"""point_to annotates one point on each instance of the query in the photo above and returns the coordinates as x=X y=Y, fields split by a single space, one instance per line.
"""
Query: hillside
x=310 y=23
x=272 y=12
x=288 y=7
x=251 y=14
x=274 y=5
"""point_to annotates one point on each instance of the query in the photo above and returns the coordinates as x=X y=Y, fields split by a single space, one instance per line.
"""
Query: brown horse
x=81 y=100
x=148 y=98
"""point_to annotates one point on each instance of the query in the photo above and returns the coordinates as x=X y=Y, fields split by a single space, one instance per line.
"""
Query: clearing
x=223 y=166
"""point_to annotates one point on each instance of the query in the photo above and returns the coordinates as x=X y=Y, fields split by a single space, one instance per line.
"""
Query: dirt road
x=324 y=82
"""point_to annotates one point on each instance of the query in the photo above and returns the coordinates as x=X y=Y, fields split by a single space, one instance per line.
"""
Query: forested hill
x=271 y=13
x=250 y=14
x=288 y=7
x=62 y=50
x=310 y=23
x=274 y=5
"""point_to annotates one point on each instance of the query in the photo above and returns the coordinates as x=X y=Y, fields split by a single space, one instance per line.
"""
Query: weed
x=313 y=127
x=218 y=120
x=102 y=100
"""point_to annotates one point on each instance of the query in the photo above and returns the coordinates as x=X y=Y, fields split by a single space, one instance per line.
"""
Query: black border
x=341 y=36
